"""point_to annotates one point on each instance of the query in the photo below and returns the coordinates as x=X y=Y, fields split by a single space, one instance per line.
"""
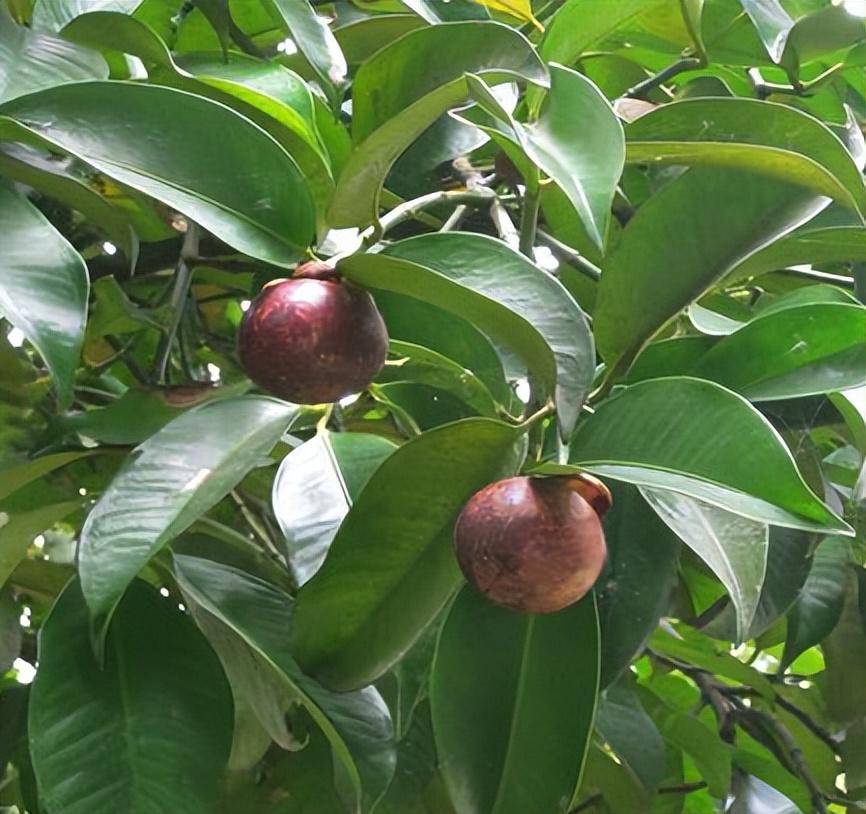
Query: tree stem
x=177 y=301
x=681 y=66
x=570 y=256
x=529 y=221
x=409 y=209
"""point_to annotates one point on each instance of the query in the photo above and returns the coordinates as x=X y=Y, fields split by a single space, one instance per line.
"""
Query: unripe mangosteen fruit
x=534 y=544
x=312 y=339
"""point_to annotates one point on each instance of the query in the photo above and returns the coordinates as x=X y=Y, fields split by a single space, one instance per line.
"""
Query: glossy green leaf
x=631 y=733
x=826 y=30
x=389 y=122
x=314 y=488
x=360 y=39
x=167 y=483
x=691 y=234
x=357 y=725
x=798 y=351
x=44 y=293
x=577 y=26
x=268 y=216
x=273 y=97
x=31 y=60
x=733 y=547
x=316 y=41
x=418 y=322
x=414 y=363
x=534 y=681
x=818 y=607
x=640 y=577
x=115 y=739
x=764 y=138
x=503 y=294
x=15 y=473
x=56 y=179
x=586 y=169
x=743 y=466
x=391 y=567
x=772 y=22
x=54 y=15
x=711 y=755
x=807 y=245
x=690 y=647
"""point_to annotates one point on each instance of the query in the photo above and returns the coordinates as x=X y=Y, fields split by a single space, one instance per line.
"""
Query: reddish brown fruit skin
x=312 y=339
x=530 y=544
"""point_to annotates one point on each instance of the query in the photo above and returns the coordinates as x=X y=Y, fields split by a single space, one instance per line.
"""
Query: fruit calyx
x=316 y=270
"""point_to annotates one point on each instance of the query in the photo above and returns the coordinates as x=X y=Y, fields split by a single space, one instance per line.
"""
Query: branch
x=529 y=221
x=681 y=66
x=570 y=256
x=503 y=223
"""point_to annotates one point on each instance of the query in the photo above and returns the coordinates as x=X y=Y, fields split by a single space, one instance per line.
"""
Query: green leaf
x=115 y=739
x=165 y=485
x=577 y=26
x=772 y=23
x=762 y=137
x=43 y=293
x=798 y=351
x=314 y=488
x=414 y=363
x=360 y=39
x=711 y=755
x=818 y=607
x=733 y=547
x=30 y=60
x=534 y=681
x=10 y=630
x=269 y=216
x=743 y=466
x=54 y=15
x=632 y=734
x=829 y=29
x=25 y=514
x=17 y=473
x=391 y=568
x=587 y=169
x=357 y=724
x=57 y=179
x=689 y=646
x=641 y=575
x=316 y=42
x=396 y=100
x=503 y=294
x=724 y=228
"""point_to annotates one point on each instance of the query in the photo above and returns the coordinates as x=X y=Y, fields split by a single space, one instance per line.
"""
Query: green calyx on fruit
x=312 y=339
x=534 y=544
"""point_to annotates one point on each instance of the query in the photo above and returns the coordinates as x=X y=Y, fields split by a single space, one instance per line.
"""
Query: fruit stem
x=177 y=301
x=529 y=219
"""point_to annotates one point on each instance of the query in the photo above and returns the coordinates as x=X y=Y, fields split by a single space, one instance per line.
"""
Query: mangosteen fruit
x=534 y=544
x=314 y=338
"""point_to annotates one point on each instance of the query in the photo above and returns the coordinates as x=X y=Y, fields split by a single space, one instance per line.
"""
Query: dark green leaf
x=798 y=351
x=534 y=681
x=414 y=98
x=503 y=294
x=316 y=42
x=362 y=38
x=31 y=60
x=115 y=740
x=53 y=15
x=641 y=574
x=269 y=215
x=743 y=466
x=692 y=233
x=733 y=547
x=314 y=488
x=819 y=605
x=44 y=293
x=357 y=724
x=167 y=484
x=391 y=568
x=762 y=137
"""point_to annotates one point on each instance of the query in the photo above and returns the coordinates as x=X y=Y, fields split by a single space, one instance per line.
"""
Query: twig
x=681 y=66
x=570 y=256
x=177 y=301
x=122 y=352
x=455 y=218
x=503 y=223
x=682 y=788
x=255 y=526
x=410 y=209
x=529 y=221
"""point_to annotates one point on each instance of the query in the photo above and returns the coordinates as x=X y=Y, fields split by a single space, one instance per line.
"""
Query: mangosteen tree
x=432 y=407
